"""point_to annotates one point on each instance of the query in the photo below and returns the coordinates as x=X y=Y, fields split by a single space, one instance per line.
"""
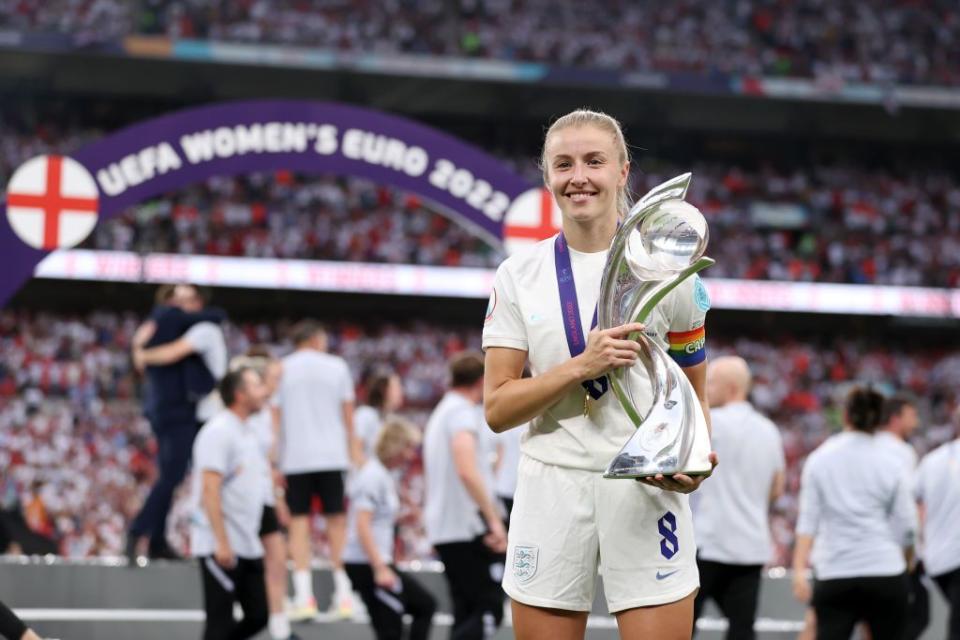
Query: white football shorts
x=568 y=524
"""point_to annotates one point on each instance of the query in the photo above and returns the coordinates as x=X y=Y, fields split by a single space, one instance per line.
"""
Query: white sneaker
x=342 y=605
x=303 y=613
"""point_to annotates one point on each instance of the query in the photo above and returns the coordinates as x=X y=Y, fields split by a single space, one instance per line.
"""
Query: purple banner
x=172 y=151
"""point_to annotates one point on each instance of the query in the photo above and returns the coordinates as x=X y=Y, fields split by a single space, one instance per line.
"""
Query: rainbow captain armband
x=688 y=348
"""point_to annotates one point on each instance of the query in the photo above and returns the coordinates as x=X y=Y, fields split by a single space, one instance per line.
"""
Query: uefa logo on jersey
x=52 y=202
x=491 y=306
x=533 y=216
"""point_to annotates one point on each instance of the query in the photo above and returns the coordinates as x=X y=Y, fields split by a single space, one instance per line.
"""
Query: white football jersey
x=525 y=313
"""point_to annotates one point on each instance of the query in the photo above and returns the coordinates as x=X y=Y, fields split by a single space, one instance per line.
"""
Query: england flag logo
x=533 y=216
x=52 y=202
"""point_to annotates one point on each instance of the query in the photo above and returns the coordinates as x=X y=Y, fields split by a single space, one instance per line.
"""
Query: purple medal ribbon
x=570 y=310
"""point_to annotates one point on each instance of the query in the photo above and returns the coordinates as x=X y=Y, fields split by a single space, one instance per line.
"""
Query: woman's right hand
x=385 y=578
x=609 y=349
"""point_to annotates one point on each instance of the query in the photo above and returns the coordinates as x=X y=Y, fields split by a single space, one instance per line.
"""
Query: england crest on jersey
x=525 y=562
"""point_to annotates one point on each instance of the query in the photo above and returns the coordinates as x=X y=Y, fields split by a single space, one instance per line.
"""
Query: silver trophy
x=660 y=243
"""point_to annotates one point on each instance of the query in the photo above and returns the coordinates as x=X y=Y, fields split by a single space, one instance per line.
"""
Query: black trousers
x=949 y=584
x=174 y=446
x=11 y=627
x=918 y=609
x=736 y=590
x=880 y=601
x=473 y=575
x=386 y=607
x=245 y=584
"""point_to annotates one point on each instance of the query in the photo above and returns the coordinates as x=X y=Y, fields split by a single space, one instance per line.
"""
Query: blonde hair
x=588 y=117
x=257 y=363
x=396 y=435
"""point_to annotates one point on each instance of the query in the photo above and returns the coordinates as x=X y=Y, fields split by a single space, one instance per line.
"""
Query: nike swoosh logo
x=664 y=576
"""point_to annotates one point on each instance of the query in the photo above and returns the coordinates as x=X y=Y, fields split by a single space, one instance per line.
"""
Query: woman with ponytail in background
x=384 y=397
x=855 y=502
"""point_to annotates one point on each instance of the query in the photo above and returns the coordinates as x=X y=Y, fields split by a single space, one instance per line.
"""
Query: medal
x=570 y=310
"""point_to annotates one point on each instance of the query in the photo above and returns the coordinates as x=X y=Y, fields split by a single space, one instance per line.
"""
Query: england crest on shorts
x=525 y=562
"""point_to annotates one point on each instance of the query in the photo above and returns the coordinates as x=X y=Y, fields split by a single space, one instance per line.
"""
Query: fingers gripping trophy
x=659 y=244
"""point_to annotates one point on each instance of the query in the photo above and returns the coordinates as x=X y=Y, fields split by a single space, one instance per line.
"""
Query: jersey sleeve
x=365 y=495
x=686 y=334
x=904 y=511
x=503 y=325
x=465 y=418
x=776 y=449
x=211 y=452
x=808 y=518
x=919 y=491
x=346 y=387
x=202 y=336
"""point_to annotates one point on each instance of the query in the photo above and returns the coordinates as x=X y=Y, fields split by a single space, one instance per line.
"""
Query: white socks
x=279 y=626
x=302 y=587
x=341 y=583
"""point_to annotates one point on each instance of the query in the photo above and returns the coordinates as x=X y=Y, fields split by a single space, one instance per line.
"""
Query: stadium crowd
x=78 y=456
x=822 y=225
x=872 y=41
x=812 y=222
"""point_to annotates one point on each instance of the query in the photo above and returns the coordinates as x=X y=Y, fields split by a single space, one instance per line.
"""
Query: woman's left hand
x=680 y=482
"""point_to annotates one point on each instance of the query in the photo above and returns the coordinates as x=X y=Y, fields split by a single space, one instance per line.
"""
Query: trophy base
x=633 y=462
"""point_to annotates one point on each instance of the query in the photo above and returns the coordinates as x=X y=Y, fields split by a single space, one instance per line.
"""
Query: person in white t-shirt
x=899 y=422
x=318 y=446
x=460 y=514
x=371 y=522
x=731 y=518
x=384 y=396
x=229 y=495
x=266 y=426
x=938 y=490
x=856 y=503
x=541 y=306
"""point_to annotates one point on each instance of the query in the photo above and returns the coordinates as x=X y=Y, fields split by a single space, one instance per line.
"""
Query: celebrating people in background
x=541 y=309
x=731 y=517
x=461 y=517
x=856 y=503
x=229 y=494
x=317 y=446
x=374 y=506
x=180 y=380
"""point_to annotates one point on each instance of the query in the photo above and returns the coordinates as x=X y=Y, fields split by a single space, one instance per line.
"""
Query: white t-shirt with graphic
x=525 y=313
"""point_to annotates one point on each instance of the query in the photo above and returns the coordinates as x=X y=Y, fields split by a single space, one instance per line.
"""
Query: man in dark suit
x=170 y=405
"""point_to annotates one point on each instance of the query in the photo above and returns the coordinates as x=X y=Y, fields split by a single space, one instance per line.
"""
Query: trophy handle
x=646 y=357
x=660 y=444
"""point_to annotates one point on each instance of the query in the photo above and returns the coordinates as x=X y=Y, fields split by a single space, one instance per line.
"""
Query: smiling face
x=585 y=172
